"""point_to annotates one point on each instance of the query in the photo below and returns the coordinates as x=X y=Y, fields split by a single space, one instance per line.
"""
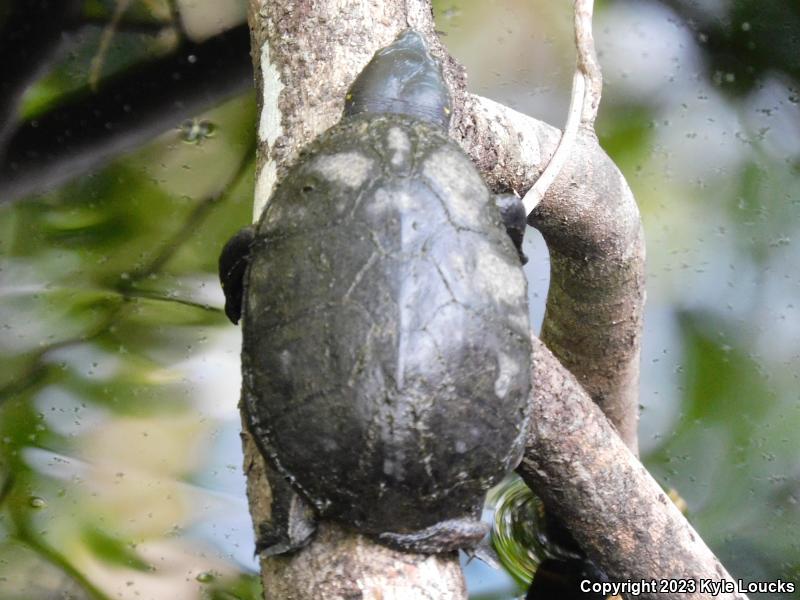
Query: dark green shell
x=386 y=354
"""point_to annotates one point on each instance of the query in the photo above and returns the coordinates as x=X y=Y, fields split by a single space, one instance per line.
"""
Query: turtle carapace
x=386 y=350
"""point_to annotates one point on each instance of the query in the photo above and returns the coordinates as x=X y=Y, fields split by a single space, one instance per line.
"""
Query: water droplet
x=194 y=131
x=37 y=502
x=205 y=577
x=451 y=12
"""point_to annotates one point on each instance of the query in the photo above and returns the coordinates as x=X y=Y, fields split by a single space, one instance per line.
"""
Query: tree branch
x=617 y=512
x=588 y=67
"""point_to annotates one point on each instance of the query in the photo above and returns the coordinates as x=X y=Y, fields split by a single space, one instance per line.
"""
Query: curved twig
x=587 y=61
x=587 y=85
x=565 y=146
x=96 y=66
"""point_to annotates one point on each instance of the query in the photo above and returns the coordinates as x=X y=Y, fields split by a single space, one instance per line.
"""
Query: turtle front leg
x=233 y=263
x=512 y=212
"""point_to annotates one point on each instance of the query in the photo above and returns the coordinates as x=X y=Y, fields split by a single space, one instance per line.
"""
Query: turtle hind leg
x=512 y=211
x=292 y=523
x=445 y=536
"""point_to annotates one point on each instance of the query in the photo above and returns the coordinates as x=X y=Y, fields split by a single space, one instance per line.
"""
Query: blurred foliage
x=743 y=459
x=626 y=134
x=154 y=35
x=744 y=40
x=119 y=456
x=109 y=287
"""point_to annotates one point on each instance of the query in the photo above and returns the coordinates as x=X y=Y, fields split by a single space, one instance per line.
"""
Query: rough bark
x=340 y=564
x=591 y=480
x=306 y=54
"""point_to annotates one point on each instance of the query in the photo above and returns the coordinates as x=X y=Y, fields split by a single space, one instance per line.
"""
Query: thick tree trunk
x=306 y=54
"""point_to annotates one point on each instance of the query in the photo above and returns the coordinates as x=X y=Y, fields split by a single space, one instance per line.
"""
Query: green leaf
x=113 y=551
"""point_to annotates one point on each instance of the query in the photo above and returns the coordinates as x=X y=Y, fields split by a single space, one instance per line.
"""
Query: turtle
x=386 y=340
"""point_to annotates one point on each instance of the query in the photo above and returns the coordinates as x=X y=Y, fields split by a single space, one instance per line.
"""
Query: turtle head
x=402 y=78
